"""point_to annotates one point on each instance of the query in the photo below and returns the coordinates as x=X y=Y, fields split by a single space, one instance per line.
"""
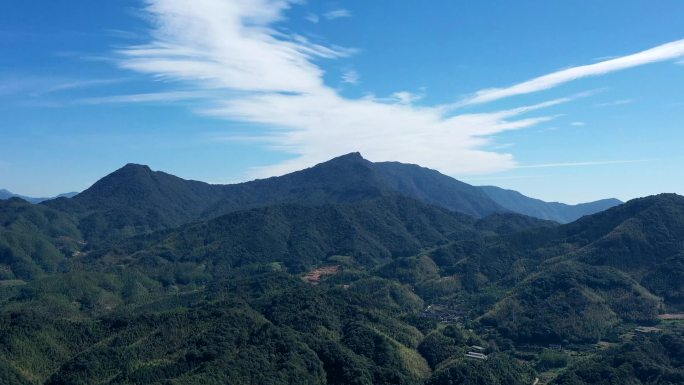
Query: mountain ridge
x=134 y=199
x=560 y=212
x=130 y=284
x=6 y=194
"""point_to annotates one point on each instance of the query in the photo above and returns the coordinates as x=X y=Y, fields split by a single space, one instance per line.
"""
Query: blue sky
x=569 y=101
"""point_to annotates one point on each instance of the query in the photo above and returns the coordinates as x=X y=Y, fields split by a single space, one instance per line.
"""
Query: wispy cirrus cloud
x=668 y=51
x=337 y=14
x=405 y=97
x=619 y=102
x=151 y=97
x=37 y=85
x=232 y=54
x=580 y=164
x=233 y=47
x=312 y=17
x=350 y=77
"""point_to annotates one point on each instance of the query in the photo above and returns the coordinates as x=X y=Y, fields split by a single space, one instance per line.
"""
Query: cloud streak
x=268 y=77
x=620 y=102
x=337 y=14
x=231 y=54
x=668 y=51
x=351 y=77
x=151 y=97
x=580 y=164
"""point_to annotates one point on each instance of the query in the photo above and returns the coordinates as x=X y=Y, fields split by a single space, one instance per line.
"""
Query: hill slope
x=438 y=189
x=300 y=237
x=412 y=287
x=135 y=200
x=554 y=211
x=34 y=239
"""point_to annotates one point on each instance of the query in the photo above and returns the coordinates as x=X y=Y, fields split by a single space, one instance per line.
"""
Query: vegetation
x=553 y=211
x=34 y=239
x=412 y=289
x=572 y=302
x=649 y=360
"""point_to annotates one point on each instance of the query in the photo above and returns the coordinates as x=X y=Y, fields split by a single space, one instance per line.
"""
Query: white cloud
x=312 y=17
x=38 y=86
x=578 y=124
x=152 y=97
x=494 y=178
x=604 y=58
x=337 y=14
x=405 y=97
x=668 y=51
x=230 y=45
x=230 y=54
x=350 y=77
x=578 y=164
x=615 y=103
x=502 y=146
x=548 y=129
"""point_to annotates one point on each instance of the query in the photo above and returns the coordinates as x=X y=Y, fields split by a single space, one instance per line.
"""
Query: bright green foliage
x=439 y=346
x=34 y=239
x=411 y=270
x=648 y=360
x=497 y=370
x=301 y=236
x=571 y=302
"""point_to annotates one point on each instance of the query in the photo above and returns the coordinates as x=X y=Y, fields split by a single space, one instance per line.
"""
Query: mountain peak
x=352 y=156
x=349 y=165
x=130 y=180
x=134 y=167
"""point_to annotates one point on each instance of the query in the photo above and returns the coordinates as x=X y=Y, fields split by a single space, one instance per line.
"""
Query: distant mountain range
x=554 y=211
x=153 y=200
x=6 y=194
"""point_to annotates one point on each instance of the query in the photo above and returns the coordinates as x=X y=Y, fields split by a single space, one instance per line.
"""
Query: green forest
x=321 y=279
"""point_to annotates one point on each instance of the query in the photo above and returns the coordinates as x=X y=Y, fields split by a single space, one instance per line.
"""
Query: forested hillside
x=345 y=273
x=136 y=200
x=559 y=212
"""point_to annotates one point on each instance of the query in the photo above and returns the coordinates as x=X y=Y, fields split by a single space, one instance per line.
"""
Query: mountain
x=6 y=194
x=554 y=211
x=300 y=237
x=347 y=178
x=349 y=272
x=352 y=178
x=435 y=188
x=34 y=239
x=578 y=281
x=224 y=301
x=135 y=199
x=575 y=282
x=572 y=302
